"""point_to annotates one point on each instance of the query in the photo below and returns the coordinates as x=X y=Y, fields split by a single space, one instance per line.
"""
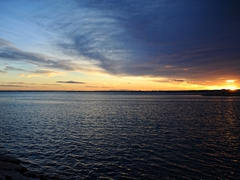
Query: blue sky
x=196 y=42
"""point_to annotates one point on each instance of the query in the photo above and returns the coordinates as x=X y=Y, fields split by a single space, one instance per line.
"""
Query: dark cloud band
x=71 y=82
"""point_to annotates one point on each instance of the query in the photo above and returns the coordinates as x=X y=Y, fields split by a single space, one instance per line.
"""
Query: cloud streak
x=98 y=87
x=10 y=68
x=18 y=83
x=71 y=82
x=2 y=71
x=10 y=85
x=9 y=52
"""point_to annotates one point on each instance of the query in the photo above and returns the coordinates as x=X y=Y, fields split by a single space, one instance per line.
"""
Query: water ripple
x=122 y=136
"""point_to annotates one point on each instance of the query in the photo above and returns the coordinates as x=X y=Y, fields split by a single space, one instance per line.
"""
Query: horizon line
x=199 y=90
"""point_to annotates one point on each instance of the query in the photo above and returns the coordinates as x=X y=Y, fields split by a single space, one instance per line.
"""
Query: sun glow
x=232 y=88
x=230 y=81
x=230 y=85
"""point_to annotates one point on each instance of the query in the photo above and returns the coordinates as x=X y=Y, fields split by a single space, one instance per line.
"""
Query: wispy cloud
x=6 y=83
x=10 y=68
x=162 y=80
x=10 y=85
x=9 y=52
x=13 y=54
x=12 y=82
x=41 y=72
x=2 y=71
x=98 y=87
x=51 y=84
x=179 y=80
x=71 y=82
x=170 y=80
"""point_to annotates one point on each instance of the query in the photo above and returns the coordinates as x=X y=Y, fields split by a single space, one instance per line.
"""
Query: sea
x=122 y=135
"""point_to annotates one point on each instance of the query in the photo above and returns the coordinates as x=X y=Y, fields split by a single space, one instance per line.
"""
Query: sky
x=119 y=45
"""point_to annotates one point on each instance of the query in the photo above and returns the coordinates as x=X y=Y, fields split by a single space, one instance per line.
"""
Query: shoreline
x=11 y=169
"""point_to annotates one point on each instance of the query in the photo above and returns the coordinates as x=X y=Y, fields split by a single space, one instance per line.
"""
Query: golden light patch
x=232 y=88
x=230 y=81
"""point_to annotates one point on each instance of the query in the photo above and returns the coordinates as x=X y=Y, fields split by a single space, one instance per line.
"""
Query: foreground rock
x=10 y=169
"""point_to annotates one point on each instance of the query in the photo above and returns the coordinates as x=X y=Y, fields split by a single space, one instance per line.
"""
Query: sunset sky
x=119 y=45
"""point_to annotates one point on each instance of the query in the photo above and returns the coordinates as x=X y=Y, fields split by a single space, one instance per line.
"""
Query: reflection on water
x=123 y=135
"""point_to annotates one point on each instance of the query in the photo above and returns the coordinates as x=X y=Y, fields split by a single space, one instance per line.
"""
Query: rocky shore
x=11 y=169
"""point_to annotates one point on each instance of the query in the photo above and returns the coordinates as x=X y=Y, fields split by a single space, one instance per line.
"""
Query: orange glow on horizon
x=70 y=82
x=232 y=88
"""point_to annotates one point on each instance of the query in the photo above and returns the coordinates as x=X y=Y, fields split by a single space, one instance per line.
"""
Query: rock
x=30 y=174
x=43 y=178
x=9 y=159
x=10 y=174
x=1 y=177
x=10 y=169
x=8 y=178
x=11 y=166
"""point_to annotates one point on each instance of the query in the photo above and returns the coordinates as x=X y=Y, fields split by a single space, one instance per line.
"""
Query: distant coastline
x=222 y=92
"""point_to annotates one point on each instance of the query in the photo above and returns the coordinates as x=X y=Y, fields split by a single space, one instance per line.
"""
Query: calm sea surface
x=122 y=135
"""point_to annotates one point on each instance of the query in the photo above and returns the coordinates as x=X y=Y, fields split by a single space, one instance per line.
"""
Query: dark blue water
x=122 y=135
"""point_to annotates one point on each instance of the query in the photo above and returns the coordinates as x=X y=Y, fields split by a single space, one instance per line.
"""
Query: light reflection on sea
x=122 y=135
